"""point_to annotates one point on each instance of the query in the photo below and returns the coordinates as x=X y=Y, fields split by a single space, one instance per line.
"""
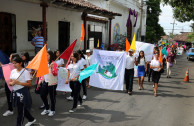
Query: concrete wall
x=28 y=11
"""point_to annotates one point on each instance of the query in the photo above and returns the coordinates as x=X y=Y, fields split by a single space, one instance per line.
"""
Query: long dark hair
x=138 y=59
x=80 y=53
x=13 y=55
x=76 y=55
x=18 y=60
x=55 y=52
x=51 y=56
x=26 y=54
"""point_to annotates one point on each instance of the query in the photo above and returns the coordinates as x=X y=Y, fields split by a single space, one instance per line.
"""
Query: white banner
x=146 y=47
x=62 y=75
x=110 y=71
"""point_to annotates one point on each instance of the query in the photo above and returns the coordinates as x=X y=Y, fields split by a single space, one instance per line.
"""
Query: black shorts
x=156 y=76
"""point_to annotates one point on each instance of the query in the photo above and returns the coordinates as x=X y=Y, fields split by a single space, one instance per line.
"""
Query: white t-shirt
x=130 y=62
x=60 y=62
x=82 y=62
x=155 y=63
x=89 y=60
x=74 y=69
x=23 y=78
x=142 y=62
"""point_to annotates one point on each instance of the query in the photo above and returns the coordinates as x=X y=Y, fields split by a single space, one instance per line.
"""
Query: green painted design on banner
x=108 y=71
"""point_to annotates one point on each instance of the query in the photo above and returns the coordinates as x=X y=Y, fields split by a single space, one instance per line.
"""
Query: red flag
x=67 y=53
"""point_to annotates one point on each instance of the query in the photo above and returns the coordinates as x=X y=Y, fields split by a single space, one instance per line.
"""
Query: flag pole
x=33 y=75
x=21 y=74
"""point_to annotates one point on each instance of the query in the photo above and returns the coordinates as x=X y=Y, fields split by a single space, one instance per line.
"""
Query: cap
x=88 y=51
x=130 y=50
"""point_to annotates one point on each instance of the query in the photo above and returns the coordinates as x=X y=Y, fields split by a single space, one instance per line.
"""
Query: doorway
x=64 y=35
x=94 y=34
x=7 y=33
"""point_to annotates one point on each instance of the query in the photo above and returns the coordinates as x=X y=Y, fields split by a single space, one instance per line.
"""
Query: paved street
x=174 y=105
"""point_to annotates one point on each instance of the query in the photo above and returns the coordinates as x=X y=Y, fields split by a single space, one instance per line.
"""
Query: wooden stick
x=21 y=74
x=33 y=75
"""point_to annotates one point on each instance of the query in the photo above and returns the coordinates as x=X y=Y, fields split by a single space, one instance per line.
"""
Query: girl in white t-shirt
x=142 y=68
x=84 y=64
x=60 y=62
x=49 y=85
x=20 y=93
x=156 y=66
x=72 y=77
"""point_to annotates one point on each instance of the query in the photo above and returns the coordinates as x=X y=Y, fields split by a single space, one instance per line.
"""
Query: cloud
x=166 y=18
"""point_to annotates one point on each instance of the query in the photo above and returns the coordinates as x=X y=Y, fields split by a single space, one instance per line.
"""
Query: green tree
x=191 y=37
x=153 y=30
x=182 y=9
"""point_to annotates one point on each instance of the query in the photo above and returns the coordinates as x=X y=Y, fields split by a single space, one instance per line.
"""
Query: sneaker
x=42 y=106
x=51 y=113
x=70 y=98
x=72 y=110
x=84 y=97
x=130 y=93
x=7 y=113
x=30 y=123
x=79 y=105
x=45 y=112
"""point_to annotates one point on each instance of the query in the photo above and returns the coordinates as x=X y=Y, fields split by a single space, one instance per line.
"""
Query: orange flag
x=160 y=57
x=82 y=33
x=127 y=45
x=40 y=63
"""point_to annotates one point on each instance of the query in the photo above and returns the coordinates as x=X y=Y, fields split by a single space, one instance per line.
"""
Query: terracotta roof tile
x=182 y=37
x=88 y=5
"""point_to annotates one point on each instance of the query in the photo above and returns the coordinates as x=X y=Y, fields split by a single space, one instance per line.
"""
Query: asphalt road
x=174 y=105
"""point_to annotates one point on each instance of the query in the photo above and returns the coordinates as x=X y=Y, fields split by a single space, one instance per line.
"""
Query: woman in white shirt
x=60 y=62
x=72 y=77
x=142 y=68
x=48 y=86
x=156 y=66
x=20 y=93
x=84 y=64
x=8 y=92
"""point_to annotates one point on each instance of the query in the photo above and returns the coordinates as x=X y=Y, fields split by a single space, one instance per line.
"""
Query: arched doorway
x=7 y=33
x=129 y=32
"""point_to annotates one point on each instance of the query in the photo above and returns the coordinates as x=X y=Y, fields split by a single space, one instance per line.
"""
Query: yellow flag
x=98 y=45
x=163 y=42
x=133 y=43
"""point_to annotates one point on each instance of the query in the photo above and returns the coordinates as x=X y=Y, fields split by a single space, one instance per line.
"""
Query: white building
x=103 y=19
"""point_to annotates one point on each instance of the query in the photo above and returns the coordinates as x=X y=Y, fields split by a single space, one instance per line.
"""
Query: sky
x=166 y=18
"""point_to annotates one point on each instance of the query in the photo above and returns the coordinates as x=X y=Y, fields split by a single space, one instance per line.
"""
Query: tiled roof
x=82 y=4
x=182 y=37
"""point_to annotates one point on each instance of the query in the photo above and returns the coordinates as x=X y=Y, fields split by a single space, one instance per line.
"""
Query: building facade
x=61 y=22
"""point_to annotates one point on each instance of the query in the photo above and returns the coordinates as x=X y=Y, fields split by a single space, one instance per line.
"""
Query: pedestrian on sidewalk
x=74 y=69
x=8 y=92
x=21 y=93
x=171 y=58
x=129 y=72
x=156 y=66
x=38 y=41
x=49 y=85
x=142 y=68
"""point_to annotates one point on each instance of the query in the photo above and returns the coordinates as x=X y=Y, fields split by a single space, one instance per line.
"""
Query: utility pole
x=173 y=26
x=141 y=7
